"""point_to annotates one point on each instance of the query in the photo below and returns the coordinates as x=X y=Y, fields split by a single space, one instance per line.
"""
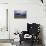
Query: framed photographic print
x=20 y=14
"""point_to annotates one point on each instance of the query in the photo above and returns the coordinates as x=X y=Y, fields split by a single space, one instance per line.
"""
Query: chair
x=33 y=30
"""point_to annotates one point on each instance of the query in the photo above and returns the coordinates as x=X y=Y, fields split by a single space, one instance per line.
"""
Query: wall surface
x=35 y=14
x=3 y=1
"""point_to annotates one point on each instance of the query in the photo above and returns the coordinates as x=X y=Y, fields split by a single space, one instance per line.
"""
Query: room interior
x=14 y=16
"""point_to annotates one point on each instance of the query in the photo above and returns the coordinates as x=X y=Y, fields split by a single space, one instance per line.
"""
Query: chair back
x=33 y=28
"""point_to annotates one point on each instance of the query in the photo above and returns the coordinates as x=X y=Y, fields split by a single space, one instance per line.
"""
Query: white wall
x=3 y=1
x=35 y=13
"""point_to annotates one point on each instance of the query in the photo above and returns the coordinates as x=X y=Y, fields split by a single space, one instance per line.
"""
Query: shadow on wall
x=41 y=34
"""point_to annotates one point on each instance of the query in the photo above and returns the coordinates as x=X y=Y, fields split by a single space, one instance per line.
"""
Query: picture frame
x=20 y=14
